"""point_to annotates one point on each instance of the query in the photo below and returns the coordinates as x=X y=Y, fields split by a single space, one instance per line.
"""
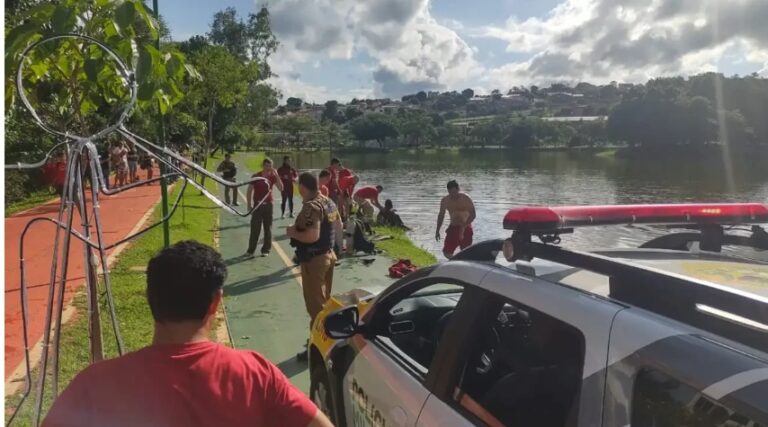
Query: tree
x=351 y=112
x=293 y=103
x=421 y=96
x=250 y=40
x=74 y=78
x=374 y=126
x=332 y=113
x=294 y=125
x=468 y=93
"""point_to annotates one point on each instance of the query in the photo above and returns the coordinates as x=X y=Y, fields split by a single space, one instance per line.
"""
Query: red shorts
x=452 y=240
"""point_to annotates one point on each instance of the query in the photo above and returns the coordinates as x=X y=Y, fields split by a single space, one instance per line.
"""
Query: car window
x=661 y=401
x=524 y=368
x=415 y=322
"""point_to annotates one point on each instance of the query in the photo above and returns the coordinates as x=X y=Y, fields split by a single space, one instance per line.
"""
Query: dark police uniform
x=229 y=173
x=317 y=259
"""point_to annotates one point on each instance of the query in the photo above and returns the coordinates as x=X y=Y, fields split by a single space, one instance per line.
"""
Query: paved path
x=120 y=214
x=263 y=297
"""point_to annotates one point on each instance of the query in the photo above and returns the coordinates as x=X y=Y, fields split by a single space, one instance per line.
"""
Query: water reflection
x=498 y=180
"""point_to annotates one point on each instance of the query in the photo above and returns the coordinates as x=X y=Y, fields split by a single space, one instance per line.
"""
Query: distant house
x=313 y=111
x=564 y=97
x=515 y=101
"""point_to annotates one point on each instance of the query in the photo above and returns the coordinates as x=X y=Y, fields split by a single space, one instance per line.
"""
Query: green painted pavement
x=262 y=296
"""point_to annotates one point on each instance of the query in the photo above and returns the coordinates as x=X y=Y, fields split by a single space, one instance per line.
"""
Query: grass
x=128 y=286
x=252 y=160
x=34 y=199
x=401 y=247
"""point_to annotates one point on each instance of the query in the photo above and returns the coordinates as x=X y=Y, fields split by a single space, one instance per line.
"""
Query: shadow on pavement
x=292 y=367
x=281 y=277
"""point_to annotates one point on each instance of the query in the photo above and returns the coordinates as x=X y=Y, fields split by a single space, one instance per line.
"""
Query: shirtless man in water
x=461 y=210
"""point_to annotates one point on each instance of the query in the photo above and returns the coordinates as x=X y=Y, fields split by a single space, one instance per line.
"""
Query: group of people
x=183 y=378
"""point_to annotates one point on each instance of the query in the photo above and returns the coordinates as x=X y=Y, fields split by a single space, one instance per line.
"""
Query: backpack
x=401 y=268
x=359 y=241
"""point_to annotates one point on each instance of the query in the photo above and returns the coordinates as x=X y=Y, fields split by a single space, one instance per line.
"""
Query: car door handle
x=398 y=416
x=402 y=327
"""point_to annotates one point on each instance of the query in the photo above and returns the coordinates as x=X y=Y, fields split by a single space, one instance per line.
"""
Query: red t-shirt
x=261 y=189
x=346 y=180
x=196 y=384
x=369 y=192
x=287 y=175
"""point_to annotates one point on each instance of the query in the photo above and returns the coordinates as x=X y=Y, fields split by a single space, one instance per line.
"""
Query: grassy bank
x=401 y=247
x=196 y=220
x=35 y=199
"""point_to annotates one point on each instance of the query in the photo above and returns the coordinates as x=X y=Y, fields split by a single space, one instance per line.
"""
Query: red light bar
x=542 y=218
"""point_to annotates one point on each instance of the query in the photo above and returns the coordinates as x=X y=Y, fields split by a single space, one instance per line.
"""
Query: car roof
x=739 y=274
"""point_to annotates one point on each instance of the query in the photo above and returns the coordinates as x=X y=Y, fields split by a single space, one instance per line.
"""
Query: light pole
x=161 y=135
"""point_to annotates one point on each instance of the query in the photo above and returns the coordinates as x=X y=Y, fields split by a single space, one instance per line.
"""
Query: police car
x=524 y=332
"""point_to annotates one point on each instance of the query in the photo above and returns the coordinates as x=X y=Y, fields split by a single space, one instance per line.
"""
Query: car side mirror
x=343 y=323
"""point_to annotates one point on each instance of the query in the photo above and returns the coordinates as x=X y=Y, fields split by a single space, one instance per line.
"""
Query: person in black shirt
x=229 y=172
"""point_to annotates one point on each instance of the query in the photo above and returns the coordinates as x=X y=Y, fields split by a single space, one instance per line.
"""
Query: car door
x=396 y=360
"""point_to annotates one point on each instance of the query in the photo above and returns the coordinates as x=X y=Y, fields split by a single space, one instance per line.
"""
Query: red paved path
x=119 y=215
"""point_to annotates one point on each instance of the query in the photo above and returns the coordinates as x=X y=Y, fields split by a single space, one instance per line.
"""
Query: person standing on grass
x=183 y=378
x=228 y=171
x=259 y=191
x=461 y=210
x=313 y=237
x=288 y=175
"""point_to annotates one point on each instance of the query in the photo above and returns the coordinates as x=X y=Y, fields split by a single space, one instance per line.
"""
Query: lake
x=498 y=180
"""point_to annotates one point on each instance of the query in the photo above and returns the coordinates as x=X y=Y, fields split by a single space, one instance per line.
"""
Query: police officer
x=313 y=236
x=228 y=171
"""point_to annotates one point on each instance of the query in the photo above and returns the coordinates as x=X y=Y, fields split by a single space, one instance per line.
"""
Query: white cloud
x=412 y=50
x=407 y=49
x=630 y=40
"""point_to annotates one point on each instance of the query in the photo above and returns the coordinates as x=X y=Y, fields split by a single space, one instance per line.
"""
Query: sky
x=344 y=49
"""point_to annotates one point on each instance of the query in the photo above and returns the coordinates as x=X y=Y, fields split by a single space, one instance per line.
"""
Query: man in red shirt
x=182 y=378
x=342 y=185
x=288 y=176
x=324 y=179
x=368 y=197
x=261 y=192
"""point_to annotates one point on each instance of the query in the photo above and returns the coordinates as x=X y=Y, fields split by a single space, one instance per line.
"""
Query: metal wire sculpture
x=83 y=162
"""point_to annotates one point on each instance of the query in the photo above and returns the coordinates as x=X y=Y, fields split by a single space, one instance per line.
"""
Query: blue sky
x=340 y=49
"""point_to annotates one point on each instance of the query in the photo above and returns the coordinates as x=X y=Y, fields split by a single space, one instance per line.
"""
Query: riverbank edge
x=127 y=275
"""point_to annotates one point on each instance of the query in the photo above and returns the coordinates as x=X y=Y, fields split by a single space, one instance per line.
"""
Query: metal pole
x=161 y=135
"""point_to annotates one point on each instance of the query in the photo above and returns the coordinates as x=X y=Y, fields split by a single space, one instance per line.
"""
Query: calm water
x=498 y=180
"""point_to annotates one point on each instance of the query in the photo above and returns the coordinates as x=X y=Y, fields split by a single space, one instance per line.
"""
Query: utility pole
x=161 y=135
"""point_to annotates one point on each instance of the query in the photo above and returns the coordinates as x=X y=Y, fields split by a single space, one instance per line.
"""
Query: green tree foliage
x=332 y=113
x=468 y=93
x=675 y=111
x=374 y=126
x=293 y=104
x=72 y=78
x=250 y=40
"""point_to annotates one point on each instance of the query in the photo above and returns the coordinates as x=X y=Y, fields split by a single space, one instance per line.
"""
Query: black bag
x=359 y=241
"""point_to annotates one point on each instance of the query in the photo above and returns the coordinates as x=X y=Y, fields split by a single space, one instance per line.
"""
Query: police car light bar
x=535 y=218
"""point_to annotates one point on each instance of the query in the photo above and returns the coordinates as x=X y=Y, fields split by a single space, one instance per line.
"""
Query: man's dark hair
x=266 y=160
x=226 y=156
x=380 y=188
x=286 y=158
x=308 y=181
x=182 y=281
x=335 y=161
x=453 y=184
x=324 y=173
x=388 y=204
